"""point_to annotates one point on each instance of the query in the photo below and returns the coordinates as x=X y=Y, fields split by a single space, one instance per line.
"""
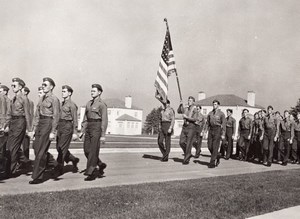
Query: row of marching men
x=266 y=138
x=51 y=120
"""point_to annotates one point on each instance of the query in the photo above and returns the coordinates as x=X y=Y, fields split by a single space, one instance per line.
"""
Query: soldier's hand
x=201 y=134
x=249 y=137
x=6 y=129
x=275 y=138
x=223 y=137
x=170 y=130
x=74 y=137
x=31 y=135
x=51 y=136
x=261 y=138
x=291 y=141
x=102 y=140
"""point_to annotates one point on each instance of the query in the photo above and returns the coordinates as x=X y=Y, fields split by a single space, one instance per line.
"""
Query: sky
x=220 y=47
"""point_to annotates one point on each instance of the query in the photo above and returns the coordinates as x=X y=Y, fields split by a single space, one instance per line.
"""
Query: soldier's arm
x=172 y=119
x=292 y=130
x=233 y=126
x=8 y=112
x=223 y=124
x=56 y=114
x=277 y=123
x=192 y=117
x=27 y=113
x=104 y=119
x=74 y=117
x=251 y=128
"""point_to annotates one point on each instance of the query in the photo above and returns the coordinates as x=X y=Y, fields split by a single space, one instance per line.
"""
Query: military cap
x=216 y=101
x=49 y=80
x=98 y=86
x=229 y=110
x=199 y=105
x=5 y=88
x=270 y=107
x=19 y=80
x=246 y=110
x=191 y=97
x=26 y=89
x=40 y=88
x=67 y=87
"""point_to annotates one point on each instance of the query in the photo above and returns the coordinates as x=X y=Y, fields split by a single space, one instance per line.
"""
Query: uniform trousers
x=3 y=141
x=257 y=147
x=17 y=130
x=268 y=145
x=164 y=139
x=284 y=147
x=26 y=146
x=198 y=140
x=91 y=146
x=186 y=140
x=41 y=146
x=244 y=143
x=296 y=147
x=228 y=138
x=213 y=142
x=64 y=136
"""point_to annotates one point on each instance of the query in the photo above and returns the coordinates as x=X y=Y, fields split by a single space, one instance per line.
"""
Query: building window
x=132 y=125
x=204 y=111
x=128 y=124
x=117 y=112
x=136 y=125
x=108 y=125
x=135 y=114
x=120 y=124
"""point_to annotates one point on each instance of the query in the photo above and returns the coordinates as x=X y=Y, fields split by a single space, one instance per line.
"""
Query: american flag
x=166 y=68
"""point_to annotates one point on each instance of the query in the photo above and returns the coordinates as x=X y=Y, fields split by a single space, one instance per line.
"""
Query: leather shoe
x=75 y=162
x=35 y=181
x=218 y=161
x=102 y=166
x=269 y=164
x=90 y=178
x=211 y=165
x=284 y=163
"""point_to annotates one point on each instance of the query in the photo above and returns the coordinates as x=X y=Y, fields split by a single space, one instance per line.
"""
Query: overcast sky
x=221 y=47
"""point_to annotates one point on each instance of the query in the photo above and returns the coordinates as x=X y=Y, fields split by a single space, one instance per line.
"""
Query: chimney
x=201 y=95
x=251 y=98
x=128 y=102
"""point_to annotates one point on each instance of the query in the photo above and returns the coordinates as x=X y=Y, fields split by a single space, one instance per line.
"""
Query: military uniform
x=19 y=124
x=256 y=135
x=296 y=141
x=166 y=123
x=270 y=129
x=216 y=128
x=94 y=126
x=46 y=120
x=4 y=113
x=200 y=122
x=229 y=133
x=244 y=130
x=67 y=125
x=26 y=140
x=286 y=128
x=188 y=130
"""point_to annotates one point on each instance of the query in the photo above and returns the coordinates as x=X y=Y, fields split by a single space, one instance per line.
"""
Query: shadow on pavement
x=179 y=160
x=201 y=162
x=148 y=156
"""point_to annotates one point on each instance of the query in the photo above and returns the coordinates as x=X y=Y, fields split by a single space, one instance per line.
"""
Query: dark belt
x=94 y=120
x=17 y=117
x=65 y=120
x=45 y=117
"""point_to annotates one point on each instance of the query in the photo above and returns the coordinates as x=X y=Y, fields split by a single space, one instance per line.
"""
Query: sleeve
x=239 y=128
x=251 y=127
x=233 y=126
x=3 y=105
x=172 y=119
x=104 y=119
x=74 y=117
x=56 y=114
x=36 y=117
x=27 y=113
x=223 y=123
x=84 y=121
x=8 y=112
x=31 y=110
x=277 y=123
x=192 y=117
x=292 y=130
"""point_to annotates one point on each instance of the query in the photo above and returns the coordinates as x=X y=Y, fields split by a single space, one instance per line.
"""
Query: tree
x=296 y=109
x=152 y=121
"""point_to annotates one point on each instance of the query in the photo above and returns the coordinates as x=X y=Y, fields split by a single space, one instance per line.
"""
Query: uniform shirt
x=297 y=125
x=168 y=115
x=257 y=126
x=271 y=122
x=286 y=125
x=20 y=107
x=96 y=109
x=3 y=110
x=48 y=106
x=245 y=124
x=200 y=121
x=31 y=109
x=69 y=112
x=231 y=123
x=190 y=112
x=6 y=110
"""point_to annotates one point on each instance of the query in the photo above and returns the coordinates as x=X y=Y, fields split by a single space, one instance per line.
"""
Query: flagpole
x=180 y=96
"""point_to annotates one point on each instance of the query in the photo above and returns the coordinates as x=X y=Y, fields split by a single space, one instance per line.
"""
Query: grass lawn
x=237 y=196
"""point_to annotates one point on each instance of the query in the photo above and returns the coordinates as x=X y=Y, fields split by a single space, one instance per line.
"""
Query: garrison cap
x=26 y=89
x=216 y=101
x=19 y=80
x=40 y=88
x=49 y=80
x=67 y=87
x=5 y=88
x=98 y=86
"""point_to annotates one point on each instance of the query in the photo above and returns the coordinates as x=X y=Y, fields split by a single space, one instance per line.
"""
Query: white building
x=123 y=117
x=227 y=101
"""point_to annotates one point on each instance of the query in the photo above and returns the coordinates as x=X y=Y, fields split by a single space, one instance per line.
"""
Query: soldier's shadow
x=153 y=157
x=179 y=160
x=201 y=162
x=67 y=169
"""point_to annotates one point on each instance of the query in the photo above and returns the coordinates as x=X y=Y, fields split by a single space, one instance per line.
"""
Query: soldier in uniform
x=165 y=130
x=257 y=130
x=244 y=134
x=200 y=122
x=215 y=124
x=93 y=128
x=188 y=129
x=270 y=130
x=230 y=129
x=44 y=130
x=286 y=128
x=296 y=143
x=67 y=129
x=40 y=92
x=19 y=125
x=26 y=141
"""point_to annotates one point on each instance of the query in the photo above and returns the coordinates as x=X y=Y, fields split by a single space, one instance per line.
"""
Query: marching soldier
x=3 y=130
x=270 y=130
x=26 y=141
x=230 y=129
x=165 y=130
x=44 y=130
x=19 y=125
x=296 y=143
x=286 y=127
x=215 y=124
x=67 y=129
x=200 y=122
x=93 y=128
x=244 y=134
x=188 y=128
x=257 y=136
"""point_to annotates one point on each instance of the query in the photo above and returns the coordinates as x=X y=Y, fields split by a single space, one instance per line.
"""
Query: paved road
x=133 y=166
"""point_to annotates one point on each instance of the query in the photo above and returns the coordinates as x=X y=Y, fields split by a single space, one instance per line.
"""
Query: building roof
x=127 y=117
x=227 y=100
x=116 y=103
